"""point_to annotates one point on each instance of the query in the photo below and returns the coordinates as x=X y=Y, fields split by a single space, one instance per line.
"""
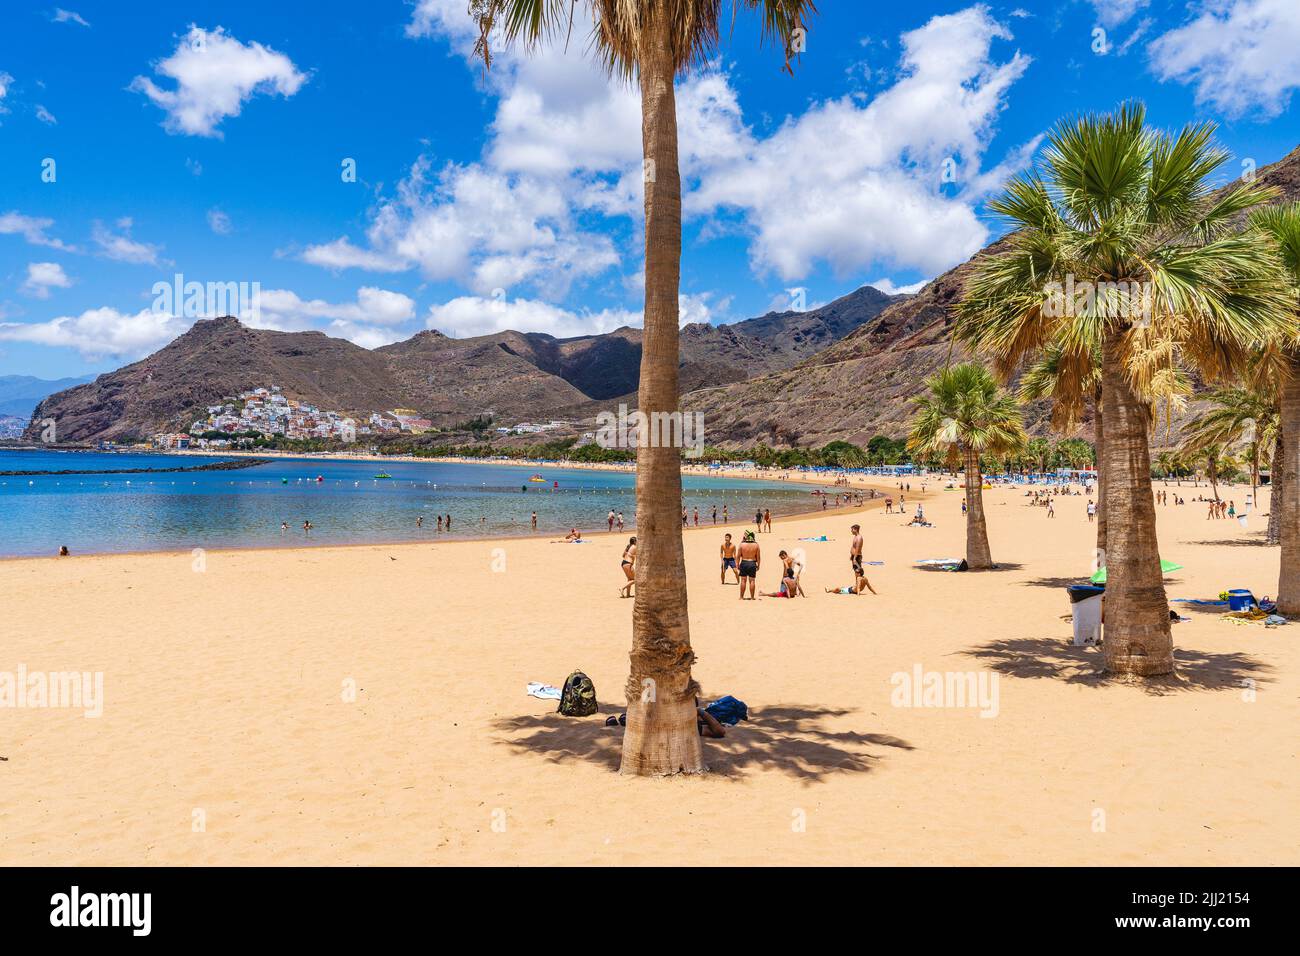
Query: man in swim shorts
x=728 y=551
x=751 y=557
x=855 y=559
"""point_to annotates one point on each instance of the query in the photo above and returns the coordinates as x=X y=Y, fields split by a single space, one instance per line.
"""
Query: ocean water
x=244 y=508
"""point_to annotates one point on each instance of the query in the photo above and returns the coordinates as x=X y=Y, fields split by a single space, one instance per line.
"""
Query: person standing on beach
x=1092 y=511
x=767 y=519
x=618 y=522
x=686 y=518
x=715 y=514
x=697 y=516
x=629 y=568
x=758 y=519
x=1051 y=509
x=728 y=552
x=751 y=557
x=534 y=521
x=439 y=522
x=855 y=560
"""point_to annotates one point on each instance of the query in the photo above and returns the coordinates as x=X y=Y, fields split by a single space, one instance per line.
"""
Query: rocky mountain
x=858 y=387
x=511 y=375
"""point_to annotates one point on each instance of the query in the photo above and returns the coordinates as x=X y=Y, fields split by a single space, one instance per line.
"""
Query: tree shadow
x=999 y=567
x=1260 y=542
x=1037 y=658
x=1057 y=582
x=787 y=738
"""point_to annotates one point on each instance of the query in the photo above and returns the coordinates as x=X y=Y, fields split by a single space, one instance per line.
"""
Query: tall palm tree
x=965 y=416
x=653 y=42
x=1282 y=225
x=1120 y=241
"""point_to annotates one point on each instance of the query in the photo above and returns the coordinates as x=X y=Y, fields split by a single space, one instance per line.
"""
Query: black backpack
x=578 y=699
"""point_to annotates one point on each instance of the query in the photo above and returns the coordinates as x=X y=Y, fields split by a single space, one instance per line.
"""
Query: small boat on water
x=538 y=478
x=383 y=474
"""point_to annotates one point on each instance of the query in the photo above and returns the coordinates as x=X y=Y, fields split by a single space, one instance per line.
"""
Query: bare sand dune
x=224 y=704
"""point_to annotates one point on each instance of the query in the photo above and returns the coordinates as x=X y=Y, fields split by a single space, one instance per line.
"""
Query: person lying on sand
x=707 y=724
x=573 y=537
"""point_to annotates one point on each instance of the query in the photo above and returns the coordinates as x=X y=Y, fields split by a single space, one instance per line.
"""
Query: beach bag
x=578 y=698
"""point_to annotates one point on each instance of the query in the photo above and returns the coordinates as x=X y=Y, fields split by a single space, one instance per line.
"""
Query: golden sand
x=226 y=736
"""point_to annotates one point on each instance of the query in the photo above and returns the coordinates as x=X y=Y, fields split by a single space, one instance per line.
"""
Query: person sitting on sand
x=573 y=535
x=728 y=552
x=629 y=565
x=751 y=557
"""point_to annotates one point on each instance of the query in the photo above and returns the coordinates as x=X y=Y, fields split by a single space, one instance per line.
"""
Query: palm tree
x=1120 y=242
x=965 y=416
x=1236 y=416
x=653 y=41
x=1282 y=225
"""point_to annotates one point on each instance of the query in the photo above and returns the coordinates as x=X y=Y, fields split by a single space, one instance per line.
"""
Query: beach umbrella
x=1165 y=566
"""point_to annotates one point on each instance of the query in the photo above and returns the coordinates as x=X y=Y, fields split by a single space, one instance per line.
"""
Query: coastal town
x=268 y=411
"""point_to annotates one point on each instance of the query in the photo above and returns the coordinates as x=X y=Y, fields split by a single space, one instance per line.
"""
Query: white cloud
x=120 y=247
x=853 y=185
x=888 y=287
x=1239 y=54
x=100 y=333
x=44 y=276
x=847 y=183
x=374 y=319
x=5 y=81
x=31 y=228
x=342 y=254
x=1111 y=13
x=472 y=315
x=215 y=76
x=219 y=222
x=69 y=16
x=45 y=116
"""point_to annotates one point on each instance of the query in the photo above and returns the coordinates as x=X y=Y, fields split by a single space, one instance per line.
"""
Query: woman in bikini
x=629 y=565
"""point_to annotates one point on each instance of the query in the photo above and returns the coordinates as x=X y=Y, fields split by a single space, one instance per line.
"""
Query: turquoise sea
x=343 y=500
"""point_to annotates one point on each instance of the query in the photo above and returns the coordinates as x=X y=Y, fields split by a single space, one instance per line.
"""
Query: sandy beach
x=367 y=705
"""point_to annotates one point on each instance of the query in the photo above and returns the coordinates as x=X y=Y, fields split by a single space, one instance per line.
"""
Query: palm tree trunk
x=661 y=737
x=1099 y=431
x=978 y=557
x=1276 y=490
x=1137 y=637
x=1284 y=502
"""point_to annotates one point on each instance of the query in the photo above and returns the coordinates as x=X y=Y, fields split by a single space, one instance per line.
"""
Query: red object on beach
x=556 y=486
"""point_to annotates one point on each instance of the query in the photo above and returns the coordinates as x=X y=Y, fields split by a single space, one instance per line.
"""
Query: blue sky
x=211 y=140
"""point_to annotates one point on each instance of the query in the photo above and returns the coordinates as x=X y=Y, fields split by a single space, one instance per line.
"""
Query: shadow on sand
x=1252 y=542
x=786 y=738
x=1061 y=660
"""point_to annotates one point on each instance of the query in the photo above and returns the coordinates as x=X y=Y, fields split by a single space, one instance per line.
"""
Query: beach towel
x=728 y=711
x=543 y=691
x=1200 y=602
x=948 y=564
x=821 y=538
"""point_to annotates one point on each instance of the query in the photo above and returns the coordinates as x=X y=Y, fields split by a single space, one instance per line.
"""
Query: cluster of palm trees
x=1126 y=272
